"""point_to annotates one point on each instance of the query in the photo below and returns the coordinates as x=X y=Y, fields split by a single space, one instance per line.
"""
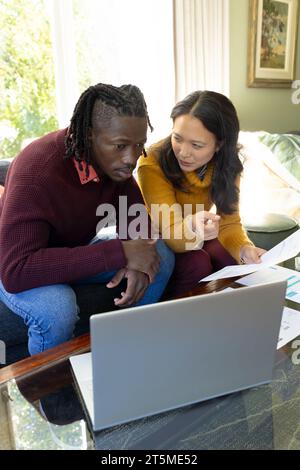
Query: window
x=27 y=87
x=118 y=42
x=52 y=50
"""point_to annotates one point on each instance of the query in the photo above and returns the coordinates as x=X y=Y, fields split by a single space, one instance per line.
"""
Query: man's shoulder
x=44 y=146
x=40 y=157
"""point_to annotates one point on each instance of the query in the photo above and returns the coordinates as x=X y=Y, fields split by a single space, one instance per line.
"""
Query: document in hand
x=286 y=249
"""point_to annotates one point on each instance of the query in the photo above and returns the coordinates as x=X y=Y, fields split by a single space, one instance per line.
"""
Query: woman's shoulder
x=152 y=156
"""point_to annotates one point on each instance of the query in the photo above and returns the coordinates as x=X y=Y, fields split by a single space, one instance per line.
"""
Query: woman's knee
x=220 y=257
x=193 y=265
x=190 y=267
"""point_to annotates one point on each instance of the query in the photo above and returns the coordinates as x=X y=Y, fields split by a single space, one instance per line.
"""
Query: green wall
x=258 y=108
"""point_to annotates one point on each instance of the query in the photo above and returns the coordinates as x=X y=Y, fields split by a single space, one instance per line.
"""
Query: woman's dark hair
x=126 y=100
x=218 y=115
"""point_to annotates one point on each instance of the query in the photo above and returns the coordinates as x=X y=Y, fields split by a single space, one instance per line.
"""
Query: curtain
x=64 y=55
x=201 y=35
x=166 y=47
x=117 y=42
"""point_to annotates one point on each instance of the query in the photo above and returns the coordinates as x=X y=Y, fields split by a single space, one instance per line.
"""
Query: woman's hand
x=251 y=254
x=206 y=224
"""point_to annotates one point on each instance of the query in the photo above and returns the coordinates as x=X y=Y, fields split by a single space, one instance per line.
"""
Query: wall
x=258 y=108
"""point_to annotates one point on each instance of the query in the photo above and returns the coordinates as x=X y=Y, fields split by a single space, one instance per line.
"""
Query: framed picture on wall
x=272 y=43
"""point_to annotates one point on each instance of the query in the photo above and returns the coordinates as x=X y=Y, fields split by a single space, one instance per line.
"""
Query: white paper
x=269 y=274
x=276 y=273
x=231 y=271
x=290 y=326
x=286 y=249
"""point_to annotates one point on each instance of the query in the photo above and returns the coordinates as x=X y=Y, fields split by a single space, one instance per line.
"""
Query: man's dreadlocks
x=126 y=100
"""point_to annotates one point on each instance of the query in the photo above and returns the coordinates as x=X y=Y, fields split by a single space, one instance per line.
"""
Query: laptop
x=151 y=359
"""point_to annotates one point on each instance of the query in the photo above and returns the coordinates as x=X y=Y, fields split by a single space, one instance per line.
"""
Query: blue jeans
x=50 y=312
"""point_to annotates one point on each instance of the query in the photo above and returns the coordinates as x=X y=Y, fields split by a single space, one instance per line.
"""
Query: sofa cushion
x=4 y=164
x=286 y=149
x=270 y=229
x=266 y=185
x=12 y=328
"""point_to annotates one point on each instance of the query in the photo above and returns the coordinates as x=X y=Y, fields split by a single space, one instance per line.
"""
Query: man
x=48 y=217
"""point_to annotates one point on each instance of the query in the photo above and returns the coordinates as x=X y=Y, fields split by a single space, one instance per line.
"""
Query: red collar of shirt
x=82 y=173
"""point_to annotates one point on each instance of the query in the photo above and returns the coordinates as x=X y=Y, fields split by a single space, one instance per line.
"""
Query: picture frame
x=272 y=43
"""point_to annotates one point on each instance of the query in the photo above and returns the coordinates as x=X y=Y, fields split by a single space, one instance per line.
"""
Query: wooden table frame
x=40 y=361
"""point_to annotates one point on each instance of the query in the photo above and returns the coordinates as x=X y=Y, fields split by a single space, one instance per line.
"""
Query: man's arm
x=26 y=259
x=132 y=216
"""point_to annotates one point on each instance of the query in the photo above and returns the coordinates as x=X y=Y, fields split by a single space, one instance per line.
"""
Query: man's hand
x=251 y=254
x=206 y=224
x=142 y=256
x=137 y=284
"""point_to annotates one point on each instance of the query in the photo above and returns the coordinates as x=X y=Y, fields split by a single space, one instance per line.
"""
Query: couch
x=271 y=178
x=270 y=186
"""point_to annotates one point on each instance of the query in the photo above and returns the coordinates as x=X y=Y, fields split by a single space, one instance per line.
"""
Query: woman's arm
x=166 y=213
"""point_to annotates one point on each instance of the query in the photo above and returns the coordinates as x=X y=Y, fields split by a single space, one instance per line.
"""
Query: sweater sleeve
x=132 y=217
x=26 y=259
x=165 y=212
x=232 y=234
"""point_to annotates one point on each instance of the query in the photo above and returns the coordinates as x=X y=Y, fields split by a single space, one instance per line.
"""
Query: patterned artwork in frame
x=272 y=43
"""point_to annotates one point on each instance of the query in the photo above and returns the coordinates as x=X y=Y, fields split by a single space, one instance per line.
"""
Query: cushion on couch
x=286 y=149
x=267 y=186
x=270 y=229
x=4 y=164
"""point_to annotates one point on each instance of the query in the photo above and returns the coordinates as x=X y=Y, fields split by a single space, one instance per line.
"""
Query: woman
x=198 y=164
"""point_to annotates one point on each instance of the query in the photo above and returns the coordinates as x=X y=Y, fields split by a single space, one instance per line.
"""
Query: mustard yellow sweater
x=157 y=189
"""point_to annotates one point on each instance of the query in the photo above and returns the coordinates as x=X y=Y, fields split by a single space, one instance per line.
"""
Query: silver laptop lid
x=159 y=357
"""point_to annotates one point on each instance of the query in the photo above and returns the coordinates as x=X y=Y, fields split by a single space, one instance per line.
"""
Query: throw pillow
x=286 y=149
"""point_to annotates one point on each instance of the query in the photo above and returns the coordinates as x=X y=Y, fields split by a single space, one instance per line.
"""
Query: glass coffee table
x=40 y=408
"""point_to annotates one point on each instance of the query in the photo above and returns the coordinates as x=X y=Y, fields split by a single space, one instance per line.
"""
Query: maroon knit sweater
x=48 y=218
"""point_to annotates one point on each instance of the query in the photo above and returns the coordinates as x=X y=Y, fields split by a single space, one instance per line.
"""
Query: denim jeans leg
x=50 y=312
x=157 y=287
